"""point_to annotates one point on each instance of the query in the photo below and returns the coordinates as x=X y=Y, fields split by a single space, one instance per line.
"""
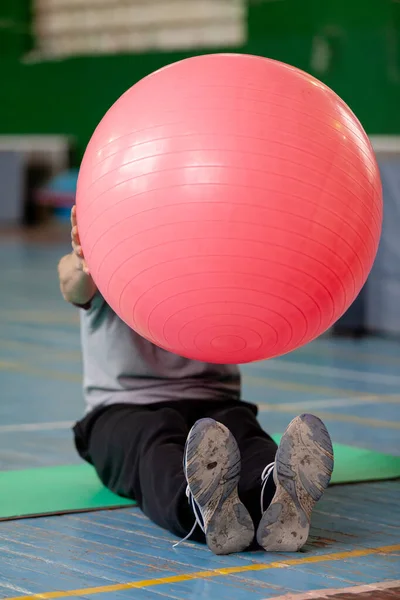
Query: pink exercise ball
x=229 y=208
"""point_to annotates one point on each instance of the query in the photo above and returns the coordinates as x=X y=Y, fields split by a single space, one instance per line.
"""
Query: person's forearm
x=76 y=286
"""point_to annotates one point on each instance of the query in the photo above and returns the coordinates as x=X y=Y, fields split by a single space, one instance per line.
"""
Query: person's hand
x=76 y=243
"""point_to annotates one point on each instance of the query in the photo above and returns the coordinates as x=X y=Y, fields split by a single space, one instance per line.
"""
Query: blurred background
x=64 y=62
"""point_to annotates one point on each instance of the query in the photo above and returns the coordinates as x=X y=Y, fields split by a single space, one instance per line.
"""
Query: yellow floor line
x=288 y=386
x=328 y=416
x=21 y=367
x=145 y=583
x=337 y=351
x=321 y=403
x=38 y=372
x=41 y=350
x=40 y=316
x=76 y=378
x=247 y=379
x=76 y=356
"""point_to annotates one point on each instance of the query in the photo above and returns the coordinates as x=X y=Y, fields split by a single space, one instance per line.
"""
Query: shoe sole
x=212 y=466
x=303 y=469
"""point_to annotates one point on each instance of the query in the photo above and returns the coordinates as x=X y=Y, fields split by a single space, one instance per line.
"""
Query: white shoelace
x=265 y=475
x=198 y=518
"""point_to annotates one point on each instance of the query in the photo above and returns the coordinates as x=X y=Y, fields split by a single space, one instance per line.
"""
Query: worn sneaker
x=302 y=472
x=212 y=469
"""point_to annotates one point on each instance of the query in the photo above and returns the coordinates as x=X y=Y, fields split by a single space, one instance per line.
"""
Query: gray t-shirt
x=122 y=367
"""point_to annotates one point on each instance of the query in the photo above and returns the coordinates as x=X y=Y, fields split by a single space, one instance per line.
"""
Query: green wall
x=70 y=96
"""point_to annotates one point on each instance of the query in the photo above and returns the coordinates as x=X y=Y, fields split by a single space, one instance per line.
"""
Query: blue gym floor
x=352 y=385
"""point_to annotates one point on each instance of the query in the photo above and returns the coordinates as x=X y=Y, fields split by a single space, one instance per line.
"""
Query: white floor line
x=20 y=427
x=14 y=588
x=288 y=366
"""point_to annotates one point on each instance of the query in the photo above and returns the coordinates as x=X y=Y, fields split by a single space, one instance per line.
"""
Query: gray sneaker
x=212 y=469
x=302 y=472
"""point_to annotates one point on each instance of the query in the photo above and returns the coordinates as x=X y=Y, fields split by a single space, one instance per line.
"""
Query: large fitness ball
x=229 y=208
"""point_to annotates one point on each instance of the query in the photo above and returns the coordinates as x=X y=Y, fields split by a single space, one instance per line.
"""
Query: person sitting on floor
x=161 y=429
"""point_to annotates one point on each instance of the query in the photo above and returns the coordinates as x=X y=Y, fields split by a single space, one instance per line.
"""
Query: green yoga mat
x=76 y=488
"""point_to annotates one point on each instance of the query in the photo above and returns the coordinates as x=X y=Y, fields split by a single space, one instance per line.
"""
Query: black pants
x=137 y=452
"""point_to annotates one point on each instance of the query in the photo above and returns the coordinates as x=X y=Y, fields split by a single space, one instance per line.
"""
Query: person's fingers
x=75 y=235
x=77 y=249
x=73 y=216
